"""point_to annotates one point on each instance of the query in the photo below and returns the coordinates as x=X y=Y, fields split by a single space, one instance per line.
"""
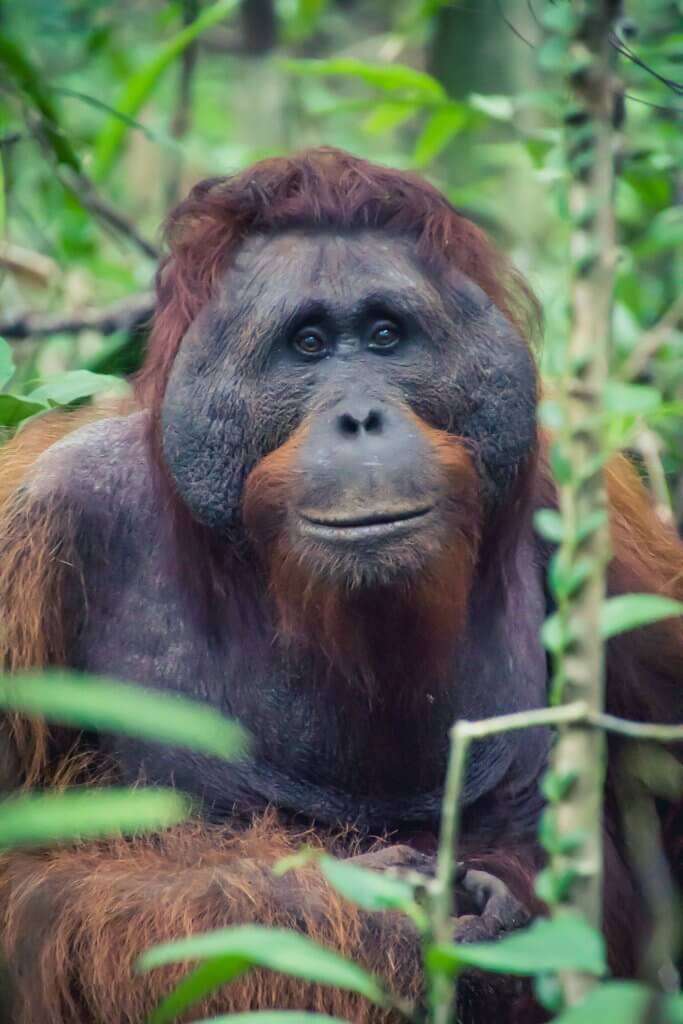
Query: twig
x=652 y=340
x=647 y=443
x=88 y=197
x=181 y=117
x=442 y=898
x=122 y=315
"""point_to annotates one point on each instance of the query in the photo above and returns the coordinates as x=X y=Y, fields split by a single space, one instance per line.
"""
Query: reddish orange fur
x=429 y=611
x=91 y=911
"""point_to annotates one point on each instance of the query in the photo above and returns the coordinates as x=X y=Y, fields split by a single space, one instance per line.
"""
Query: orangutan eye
x=385 y=335
x=309 y=342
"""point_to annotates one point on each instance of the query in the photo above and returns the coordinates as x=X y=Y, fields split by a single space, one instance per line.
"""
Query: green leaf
x=630 y=399
x=81 y=814
x=564 y=579
x=371 y=890
x=73 y=385
x=141 y=84
x=442 y=126
x=566 y=943
x=557 y=786
x=199 y=983
x=552 y=415
x=6 y=361
x=549 y=524
x=555 y=634
x=595 y=521
x=630 y=611
x=388 y=77
x=560 y=465
x=90 y=703
x=614 y=1002
x=3 y=205
x=500 y=108
x=22 y=71
x=14 y=409
x=387 y=116
x=275 y=948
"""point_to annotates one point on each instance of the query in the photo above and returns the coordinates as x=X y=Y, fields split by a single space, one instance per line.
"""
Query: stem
x=579 y=665
x=442 y=902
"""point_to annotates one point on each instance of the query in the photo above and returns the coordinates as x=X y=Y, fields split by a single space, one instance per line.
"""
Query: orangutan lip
x=374 y=521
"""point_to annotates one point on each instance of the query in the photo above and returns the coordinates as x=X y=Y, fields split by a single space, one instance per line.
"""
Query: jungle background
x=110 y=112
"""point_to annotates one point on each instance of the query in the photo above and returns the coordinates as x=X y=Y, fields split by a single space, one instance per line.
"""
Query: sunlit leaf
x=73 y=386
x=387 y=116
x=629 y=611
x=501 y=108
x=81 y=814
x=388 y=77
x=565 y=943
x=91 y=703
x=275 y=948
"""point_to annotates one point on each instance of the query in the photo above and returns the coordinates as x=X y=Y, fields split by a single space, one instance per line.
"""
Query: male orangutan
x=320 y=522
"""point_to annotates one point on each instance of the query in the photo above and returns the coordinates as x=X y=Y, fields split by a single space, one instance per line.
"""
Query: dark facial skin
x=351 y=337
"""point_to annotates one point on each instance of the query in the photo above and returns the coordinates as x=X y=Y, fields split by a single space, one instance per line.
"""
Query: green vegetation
x=109 y=112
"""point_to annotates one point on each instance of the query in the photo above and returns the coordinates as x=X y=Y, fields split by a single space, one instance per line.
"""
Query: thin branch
x=576 y=713
x=181 y=117
x=647 y=444
x=84 y=191
x=122 y=315
x=652 y=340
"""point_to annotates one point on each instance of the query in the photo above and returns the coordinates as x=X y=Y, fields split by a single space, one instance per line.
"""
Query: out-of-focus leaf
x=566 y=943
x=500 y=108
x=388 y=77
x=615 y=1002
x=372 y=890
x=73 y=385
x=14 y=409
x=386 y=116
x=159 y=138
x=630 y=399
x=275 y=948
x=442 y=126
x=21 y=70
x=6 y=362
x=630 y=611
x=140 y=85
x=120 y=707
x=49 y=817
x=3 y=210
x=549 y=524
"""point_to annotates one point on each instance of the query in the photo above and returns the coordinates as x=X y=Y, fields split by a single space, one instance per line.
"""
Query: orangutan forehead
x=340 y=269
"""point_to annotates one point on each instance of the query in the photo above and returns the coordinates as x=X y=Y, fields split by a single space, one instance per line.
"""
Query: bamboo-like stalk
x=580 y=752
